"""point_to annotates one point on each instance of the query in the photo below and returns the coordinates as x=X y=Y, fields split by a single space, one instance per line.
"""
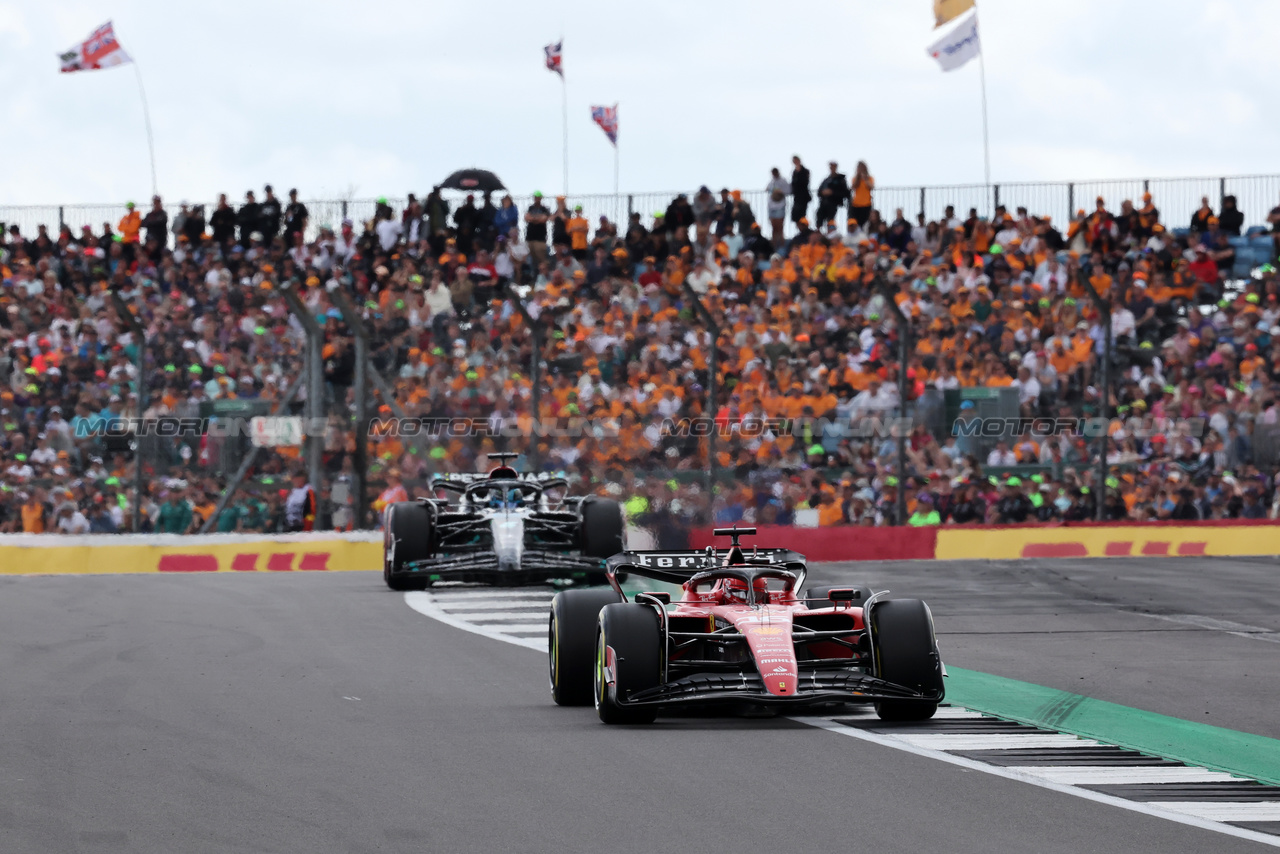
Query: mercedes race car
x=739 y=634
x=501 y=528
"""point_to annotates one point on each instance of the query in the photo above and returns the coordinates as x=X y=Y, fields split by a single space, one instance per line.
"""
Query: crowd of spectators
x=808 y=339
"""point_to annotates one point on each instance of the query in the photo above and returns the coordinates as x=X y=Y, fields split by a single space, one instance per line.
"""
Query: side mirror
x=664 y=597
x=844 y=595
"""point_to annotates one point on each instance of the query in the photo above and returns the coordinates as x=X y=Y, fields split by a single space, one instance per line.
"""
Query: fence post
x=1222 y=192
x=315 y=393
x=1146 y=185
x=1071 y=201
x=62 y=222
x=630 y=206
x=922 y=213
x=996 y=189
x=344 y=208
x=140 y=365
x=713 y=369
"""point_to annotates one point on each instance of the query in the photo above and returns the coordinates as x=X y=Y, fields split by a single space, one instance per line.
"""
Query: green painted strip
x=1213 y=747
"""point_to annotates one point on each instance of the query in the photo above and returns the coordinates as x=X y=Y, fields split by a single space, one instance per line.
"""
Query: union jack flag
x=553 y=57
x=607 y=118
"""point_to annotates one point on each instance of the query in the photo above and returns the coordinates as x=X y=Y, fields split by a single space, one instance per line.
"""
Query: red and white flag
x=607 y=118
x=100 y=50
x=553 y=57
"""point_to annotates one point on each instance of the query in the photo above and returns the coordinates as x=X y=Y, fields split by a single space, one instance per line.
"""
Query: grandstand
x=122 y=327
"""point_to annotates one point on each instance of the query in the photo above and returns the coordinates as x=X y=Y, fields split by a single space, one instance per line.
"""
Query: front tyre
x=407 y=537
x=906 y=654
x=628 y=661
x=571 y=643
x=601 y=534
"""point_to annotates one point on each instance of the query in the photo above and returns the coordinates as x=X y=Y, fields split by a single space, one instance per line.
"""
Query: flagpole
x=564 y=103
x=615 y=151
x=986 y=145
x=146 y=115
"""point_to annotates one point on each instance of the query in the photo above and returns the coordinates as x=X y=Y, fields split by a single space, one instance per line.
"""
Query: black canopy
x=473 y=181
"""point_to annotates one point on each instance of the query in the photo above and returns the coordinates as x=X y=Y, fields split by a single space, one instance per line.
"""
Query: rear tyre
x=825 y=593
x=601 y=534
x=631 y=631
x=407 y=538
x=571 y=643
x=906 y=654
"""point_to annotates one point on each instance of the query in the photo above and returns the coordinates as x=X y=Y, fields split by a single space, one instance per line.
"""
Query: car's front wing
x=812 y=688
x=536 y=567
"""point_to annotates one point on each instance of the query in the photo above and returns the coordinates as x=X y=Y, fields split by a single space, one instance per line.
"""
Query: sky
x=384 y=98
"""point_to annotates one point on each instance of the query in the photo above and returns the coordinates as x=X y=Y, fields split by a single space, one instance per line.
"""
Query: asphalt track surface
x=314 y=712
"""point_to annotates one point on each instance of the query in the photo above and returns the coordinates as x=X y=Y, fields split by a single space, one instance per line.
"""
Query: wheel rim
x=553 y=650
x=599 y=676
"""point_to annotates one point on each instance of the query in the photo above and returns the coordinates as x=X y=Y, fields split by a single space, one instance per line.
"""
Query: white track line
x=996 y=741
x=515 y=628
x=1220 y=811
x=531 y=605
x=424 y=604
x=485 y=618
x=489 y=593
x=1123 y=775
x=1183 y=813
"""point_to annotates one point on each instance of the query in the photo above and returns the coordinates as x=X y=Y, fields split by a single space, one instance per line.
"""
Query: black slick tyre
x=571 y=643
x=628 y=639
x=601 y=534
x=407 y=538
x=906 y=654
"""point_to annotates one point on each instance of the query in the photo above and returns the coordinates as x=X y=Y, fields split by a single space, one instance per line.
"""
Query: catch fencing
x=1177 y=199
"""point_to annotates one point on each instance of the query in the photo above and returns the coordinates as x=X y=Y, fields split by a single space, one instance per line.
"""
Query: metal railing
x=1177 y=199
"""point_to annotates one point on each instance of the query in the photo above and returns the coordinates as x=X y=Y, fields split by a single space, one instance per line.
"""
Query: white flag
x=959 y=46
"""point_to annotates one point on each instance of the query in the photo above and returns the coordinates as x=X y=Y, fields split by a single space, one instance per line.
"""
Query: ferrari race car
x=499 y=528
x=739 y=635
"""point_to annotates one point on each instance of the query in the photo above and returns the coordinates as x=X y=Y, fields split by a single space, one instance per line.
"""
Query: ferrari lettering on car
x=741 y=633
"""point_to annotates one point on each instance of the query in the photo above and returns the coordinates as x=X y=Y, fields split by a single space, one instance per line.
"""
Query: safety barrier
x=51 y=554
x=846 y=542
x=1229 y=537
x=25 y=554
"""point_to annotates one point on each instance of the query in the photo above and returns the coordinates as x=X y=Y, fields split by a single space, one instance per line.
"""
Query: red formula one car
x=739 y=635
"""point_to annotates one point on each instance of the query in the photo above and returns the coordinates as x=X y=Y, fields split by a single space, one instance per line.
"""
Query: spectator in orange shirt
x=578 y=227
x=861 y=187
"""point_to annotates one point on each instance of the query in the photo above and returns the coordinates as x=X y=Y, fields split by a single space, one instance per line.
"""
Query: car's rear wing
x=677 y=567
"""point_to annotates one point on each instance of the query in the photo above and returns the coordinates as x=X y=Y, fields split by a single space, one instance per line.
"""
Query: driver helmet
x=504 y=499
x=734 y=590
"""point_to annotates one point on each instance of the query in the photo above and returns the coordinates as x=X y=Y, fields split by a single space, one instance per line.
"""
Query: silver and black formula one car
x=740 y=634
x=500 y=528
